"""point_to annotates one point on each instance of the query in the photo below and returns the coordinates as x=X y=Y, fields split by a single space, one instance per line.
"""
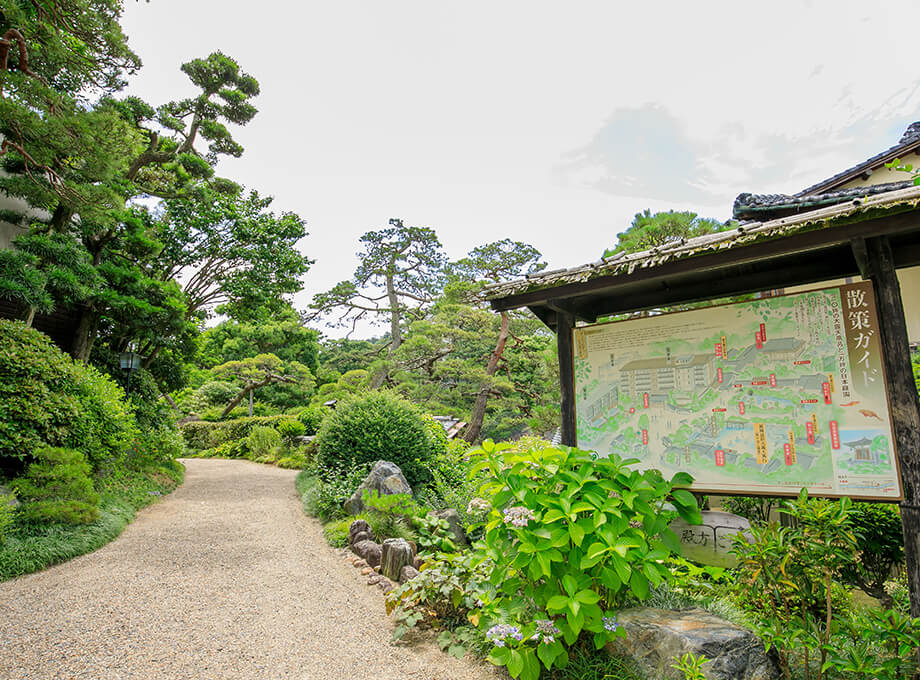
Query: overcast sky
x=551 y=123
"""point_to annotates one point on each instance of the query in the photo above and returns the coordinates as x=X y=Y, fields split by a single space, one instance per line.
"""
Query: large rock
x=357 y=528
x=385 y=478
x=396 y=554
x=369 y=551
x=452 y=517
x=656 y=638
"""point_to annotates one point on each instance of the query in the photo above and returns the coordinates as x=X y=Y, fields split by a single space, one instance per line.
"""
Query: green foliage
x=691 y=666
x=788 y=581
x=585 y=533
x=312 y=418
x=324 y=491
x=662 y=228
x=263 y=442
x=390 y=515
x=586 y=663
x=57 y=487
x=755 y=510
x=48 y=399
x=444 y=595
x=880 y=542
x=7 y=512
x=336 y=532
x=290 y=428
x=205 y=435
x=377 y=426
x=30 y=547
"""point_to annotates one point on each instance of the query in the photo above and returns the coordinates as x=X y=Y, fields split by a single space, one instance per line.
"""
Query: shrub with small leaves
x=57 y=487
x=7 y=512
x=289 y=428
x=376 y=426
x=312 y=418
x=264 y=443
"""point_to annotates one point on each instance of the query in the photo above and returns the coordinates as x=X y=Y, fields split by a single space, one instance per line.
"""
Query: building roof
x=828 y=191
x=770 y=206
x=689 y=269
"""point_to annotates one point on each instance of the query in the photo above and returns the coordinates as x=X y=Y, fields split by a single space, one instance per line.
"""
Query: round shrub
x=58 y=488
x=291 y=427
x=46 y=398
x=263 y=442
x=312 y=418
x=376 y=426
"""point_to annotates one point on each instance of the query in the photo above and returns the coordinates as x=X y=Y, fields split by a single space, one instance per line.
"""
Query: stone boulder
x=6 y=494
x=710 y=542
x=396 y=553
x=358 y=527
x=369 y=551
x=656 y=638
x=385 y=478
x=408 y=573
x=452 y=517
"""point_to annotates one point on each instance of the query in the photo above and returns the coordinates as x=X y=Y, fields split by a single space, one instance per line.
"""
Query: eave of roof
x=856 y=210
x=909 y=143
x=760 y=206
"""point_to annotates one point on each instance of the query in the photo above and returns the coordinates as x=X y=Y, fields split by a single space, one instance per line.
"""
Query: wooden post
x=565 y=323
x=902 y=394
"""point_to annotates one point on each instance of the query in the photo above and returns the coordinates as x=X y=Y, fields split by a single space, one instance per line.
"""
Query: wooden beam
x=902 y=395
x=861 y=256
x=565 y=325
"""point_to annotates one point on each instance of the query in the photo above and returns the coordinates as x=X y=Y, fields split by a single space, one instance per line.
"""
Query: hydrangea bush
x=569 y=537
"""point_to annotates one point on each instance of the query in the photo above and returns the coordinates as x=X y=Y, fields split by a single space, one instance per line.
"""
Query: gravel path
x=225 y=578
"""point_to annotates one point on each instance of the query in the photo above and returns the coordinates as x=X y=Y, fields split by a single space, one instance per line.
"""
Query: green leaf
x=500 y=656
x=531 y=665
x=515 y=663
x=599 y=518
x=547 y=654
x=577 y=534
x=457 y=651
x=638 y=584
x=569 y=583
x=597 y=549
x=587 y=596
x=681 y=479
x=685 y=498
x=557 y=603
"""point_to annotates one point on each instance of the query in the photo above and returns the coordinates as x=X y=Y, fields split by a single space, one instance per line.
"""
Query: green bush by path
x=207 y=435
x=312 y=417
x=263 y=442
x=377 y=426
x=30 y=547
x=47 y=399
x=57 y=488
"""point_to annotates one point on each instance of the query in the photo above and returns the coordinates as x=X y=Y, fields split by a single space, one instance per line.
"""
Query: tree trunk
x=395 y=334
x=250 y=403
x=85 y=335
x=479 y=408
x=30 y=316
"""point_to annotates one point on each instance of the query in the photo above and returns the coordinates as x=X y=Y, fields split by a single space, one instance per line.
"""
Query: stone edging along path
x=225 y=578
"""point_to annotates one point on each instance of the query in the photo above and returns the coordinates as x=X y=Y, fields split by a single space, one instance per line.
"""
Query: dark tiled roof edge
x=909 y=141
x=751 y=206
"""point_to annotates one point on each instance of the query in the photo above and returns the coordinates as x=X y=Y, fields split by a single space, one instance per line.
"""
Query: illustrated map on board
x=766 y=396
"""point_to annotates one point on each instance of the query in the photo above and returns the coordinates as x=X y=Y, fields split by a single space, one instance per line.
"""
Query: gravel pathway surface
x=225 y=578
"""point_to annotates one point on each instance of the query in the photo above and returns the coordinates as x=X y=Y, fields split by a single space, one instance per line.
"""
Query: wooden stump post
x=902 y=394
x=565 y=324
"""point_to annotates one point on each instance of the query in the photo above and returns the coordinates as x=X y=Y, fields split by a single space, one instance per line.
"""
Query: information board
x=759 y=397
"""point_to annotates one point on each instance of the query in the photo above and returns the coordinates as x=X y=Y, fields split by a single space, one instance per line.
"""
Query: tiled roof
x=909 y=142
x=889 y=202
x=759 y=206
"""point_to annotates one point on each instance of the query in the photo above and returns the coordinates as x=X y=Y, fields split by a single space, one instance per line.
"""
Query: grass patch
x=589 y=664
x=30 y=547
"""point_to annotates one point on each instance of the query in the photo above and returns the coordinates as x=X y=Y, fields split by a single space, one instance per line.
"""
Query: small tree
x=257 y=372
x=400 y=274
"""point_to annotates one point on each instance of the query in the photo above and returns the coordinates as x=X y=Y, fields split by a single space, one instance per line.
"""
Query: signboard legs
x=903 y=398
x=565 y=324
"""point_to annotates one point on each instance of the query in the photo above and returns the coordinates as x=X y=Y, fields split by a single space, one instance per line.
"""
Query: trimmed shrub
x=880 y=541
x=206 y=435
x=312 y=417
x=376 y=426
x=290 y=428
x=48 y=399
x=263 y=442
x=58 y=488
x=7 y=512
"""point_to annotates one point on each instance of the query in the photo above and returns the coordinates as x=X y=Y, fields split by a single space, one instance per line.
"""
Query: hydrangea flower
x=546 y=630
x=502 y=631
x=518 y=516
x=610 y=623
x=477 y=505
